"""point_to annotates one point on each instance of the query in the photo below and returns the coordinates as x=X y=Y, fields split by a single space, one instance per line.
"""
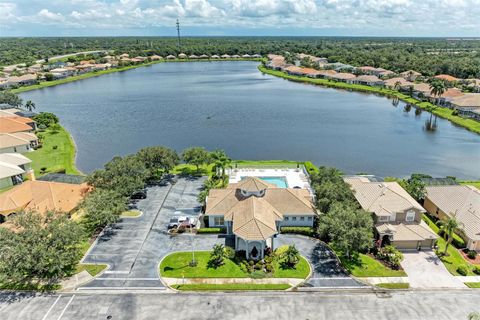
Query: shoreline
x=47 y=84
x=445 y=113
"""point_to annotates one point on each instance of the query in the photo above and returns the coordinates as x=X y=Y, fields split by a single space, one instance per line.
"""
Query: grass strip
x=230 y=287
x=394 y=285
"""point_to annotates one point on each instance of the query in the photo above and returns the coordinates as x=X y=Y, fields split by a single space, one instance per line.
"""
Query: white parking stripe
x=51 y=307
x=65 y=309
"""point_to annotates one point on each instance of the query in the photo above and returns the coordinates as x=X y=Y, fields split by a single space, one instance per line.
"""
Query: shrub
x=55 y=147
x=211 y=230
x=462 y=270
x=269 y=268
x=391 y=256
x=306 y=231
x=216 y=257
x=472 y=254
x=43 y=169
x=476 y=270
x=229 y=253
x=280 y=251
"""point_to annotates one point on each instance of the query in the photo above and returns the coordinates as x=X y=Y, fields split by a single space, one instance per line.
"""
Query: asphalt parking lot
x=133 y=247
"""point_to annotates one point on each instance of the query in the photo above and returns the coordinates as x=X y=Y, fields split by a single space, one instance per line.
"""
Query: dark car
x=139 y=195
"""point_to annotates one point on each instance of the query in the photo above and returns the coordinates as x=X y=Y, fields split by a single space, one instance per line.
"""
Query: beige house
x=461 y=201
x=410 y=75
x=397 y=216
x=252 y=212
x=368 y=80
x=13 y=168
x=20 y=142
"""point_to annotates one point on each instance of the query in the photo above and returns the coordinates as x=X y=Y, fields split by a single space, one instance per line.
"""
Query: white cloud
x=432 y=17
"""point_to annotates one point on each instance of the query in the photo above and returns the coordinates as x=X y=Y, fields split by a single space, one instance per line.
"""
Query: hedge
x=457 y=241
x=311 y=168
x=306 y=231
x=211 y=230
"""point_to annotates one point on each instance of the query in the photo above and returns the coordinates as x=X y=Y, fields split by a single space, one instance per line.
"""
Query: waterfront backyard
x=148 y=106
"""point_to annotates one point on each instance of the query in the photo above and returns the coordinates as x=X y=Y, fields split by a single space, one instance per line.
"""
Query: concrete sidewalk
x=468 y=278
x=377 y=280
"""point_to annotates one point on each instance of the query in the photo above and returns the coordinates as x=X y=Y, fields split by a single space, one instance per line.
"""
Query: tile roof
x=467 y=100
x=382 y=198
x=11 y=125
x=446 y=77
x=459 y=200
x=9 y=170
x=407 y=231
x=8 y=140
x=42 y=196
x=14 y=158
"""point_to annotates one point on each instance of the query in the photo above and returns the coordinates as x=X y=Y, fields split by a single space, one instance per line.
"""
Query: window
x=218 y=221
x=286 y=219
x=383 y=218
x=310 y=218
x=302 y=218
x=294 y=219
x=410 y=215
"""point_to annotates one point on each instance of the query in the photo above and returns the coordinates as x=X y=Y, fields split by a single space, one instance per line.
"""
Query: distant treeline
x=430 y=56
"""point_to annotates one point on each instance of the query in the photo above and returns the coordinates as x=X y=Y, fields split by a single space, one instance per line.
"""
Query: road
x=409 y=305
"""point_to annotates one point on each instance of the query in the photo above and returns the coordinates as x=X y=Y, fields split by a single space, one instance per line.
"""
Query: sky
x=422 y=18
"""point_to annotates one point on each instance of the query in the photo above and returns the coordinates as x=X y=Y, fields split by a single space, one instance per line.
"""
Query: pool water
x=280 y=182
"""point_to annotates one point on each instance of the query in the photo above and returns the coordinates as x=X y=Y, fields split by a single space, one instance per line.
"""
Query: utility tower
x=178 y=34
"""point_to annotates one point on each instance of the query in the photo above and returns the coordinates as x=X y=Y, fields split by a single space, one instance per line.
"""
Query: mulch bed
x=474 y=261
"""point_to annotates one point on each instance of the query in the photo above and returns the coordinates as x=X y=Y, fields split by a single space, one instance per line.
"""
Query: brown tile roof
x=410 y=72
x=252 y=184
x=461 y=201
x=382 y=198
x=467 y=100
x=391 y=82
x=42 y=196
x=11 y=125
x=8 y=140
x=446 y=77
x=342 y=76
x=407 y=231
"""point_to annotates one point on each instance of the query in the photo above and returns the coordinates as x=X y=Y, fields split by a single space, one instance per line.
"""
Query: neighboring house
x=19 y=142
x=13 y=167
x=182 y=56
x=252 y=212
x=446 y=77
x=171 y=57
x=16 y=124
x=155 y=58
x=192 y=56
x=25 y=80
x=369 y=80
x=41 y=197
x=397 y=216
x=467 y=105
x=410 y=75
x=61 y=73
x=341 y=76
x=225 y=56
x=17 y=111
x=390 y=83
x=461 y=201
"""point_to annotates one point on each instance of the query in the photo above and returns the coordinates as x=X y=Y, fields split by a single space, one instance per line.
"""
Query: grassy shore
x=46 y=84
x=445 y=113
x=56 y=154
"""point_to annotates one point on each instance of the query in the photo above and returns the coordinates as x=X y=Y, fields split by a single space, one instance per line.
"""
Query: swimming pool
x=280 y=182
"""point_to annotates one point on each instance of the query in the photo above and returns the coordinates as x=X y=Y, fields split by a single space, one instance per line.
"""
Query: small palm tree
x=220 y=161
x=291 y=256
x=437 y=88
x=29 y=105
x=449 y=225
x=397 y=85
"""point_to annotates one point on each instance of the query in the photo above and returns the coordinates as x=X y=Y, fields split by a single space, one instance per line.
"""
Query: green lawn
x=57 y=153
x=131 y=213
x=93 y=269
x=453 y=259
x=366 y=266
x=394 y=285
x=265 y=163
x=176 y=265
x=446 y=113
x=475 y=285
x=475 y=183
x=229 y=287
x=189 y=169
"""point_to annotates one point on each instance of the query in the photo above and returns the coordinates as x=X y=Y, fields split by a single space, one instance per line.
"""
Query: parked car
x=142 y=194
x=175 y=222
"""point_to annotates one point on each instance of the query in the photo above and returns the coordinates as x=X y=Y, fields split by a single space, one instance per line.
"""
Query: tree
x=49 y=76
x=291 y=256
x=158 y=158
x=101 y=208
x=217 y=255
x=349 y=229
x=46 y=119
x=437 y=88
x=220 y=161
x=10 y=98
x=416 y=188
x=449 y=225
x=124 y=175
x=397 y=85
x=30 y=105
x=39 y=247
x=196 y=156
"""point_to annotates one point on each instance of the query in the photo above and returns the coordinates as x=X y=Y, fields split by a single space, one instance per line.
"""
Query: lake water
x=232 y=106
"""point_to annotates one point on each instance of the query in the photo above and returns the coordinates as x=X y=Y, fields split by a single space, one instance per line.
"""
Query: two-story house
x=252 y=211
x=397 y=216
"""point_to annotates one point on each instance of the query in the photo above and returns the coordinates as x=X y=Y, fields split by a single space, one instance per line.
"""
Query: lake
x=232 y=106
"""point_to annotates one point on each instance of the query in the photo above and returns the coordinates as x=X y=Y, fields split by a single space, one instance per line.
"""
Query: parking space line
x=51 y=307
x=65 y=309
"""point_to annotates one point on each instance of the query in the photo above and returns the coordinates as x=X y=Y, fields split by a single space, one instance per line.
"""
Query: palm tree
x=291 y=256
x=449 y=225
x=220 y=161
x=397 y=85
x=29 y=105
x=437 y=88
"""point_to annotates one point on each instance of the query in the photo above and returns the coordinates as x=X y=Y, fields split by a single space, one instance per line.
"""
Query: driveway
x=425 y=270
x=133 y=247
x=327 y=271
